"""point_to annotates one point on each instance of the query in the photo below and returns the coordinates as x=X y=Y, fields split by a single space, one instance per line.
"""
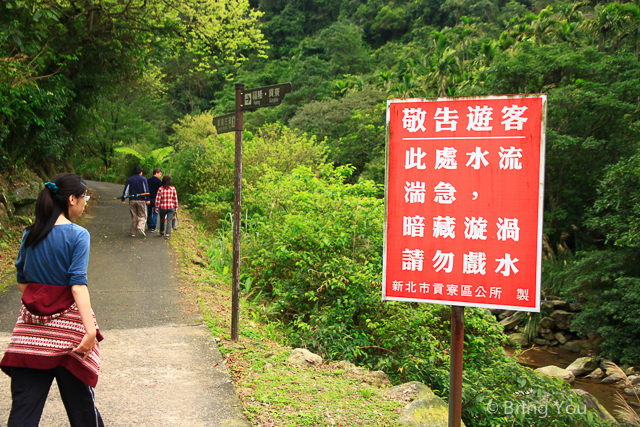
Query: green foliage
x=609 y=284
x=313 y=249
x=204 y=161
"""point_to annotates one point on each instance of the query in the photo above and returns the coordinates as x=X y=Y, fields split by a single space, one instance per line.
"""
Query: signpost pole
x=237 y=215
x=455 y=373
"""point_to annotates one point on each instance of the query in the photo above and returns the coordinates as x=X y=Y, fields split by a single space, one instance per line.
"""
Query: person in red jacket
x=166 y=204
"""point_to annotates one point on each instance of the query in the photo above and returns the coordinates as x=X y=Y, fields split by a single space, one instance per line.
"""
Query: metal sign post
x=250 y=99
x=455 y=371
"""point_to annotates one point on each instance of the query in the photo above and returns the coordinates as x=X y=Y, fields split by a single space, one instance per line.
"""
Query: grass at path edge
x=274 y=392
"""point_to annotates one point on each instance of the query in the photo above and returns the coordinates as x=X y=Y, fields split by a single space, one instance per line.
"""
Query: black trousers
x=29 y=390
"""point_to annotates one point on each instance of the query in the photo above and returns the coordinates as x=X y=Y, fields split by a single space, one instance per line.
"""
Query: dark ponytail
x=52 y=201
x=166 y=182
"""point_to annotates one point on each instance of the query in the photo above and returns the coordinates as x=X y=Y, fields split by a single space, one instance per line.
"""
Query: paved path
x=160 y=364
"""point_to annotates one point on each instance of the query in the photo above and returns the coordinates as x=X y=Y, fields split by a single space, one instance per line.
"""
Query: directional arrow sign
x=265 y=96
x=226 y=123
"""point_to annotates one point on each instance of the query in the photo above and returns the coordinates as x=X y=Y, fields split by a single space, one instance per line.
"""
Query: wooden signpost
x=249 y=99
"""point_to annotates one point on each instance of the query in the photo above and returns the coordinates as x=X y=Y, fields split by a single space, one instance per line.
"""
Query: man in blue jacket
x=138 y=187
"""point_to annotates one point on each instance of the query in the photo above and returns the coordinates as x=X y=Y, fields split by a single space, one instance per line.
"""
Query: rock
x=302 y=356
x=518 y=338
x=592 y=403
x=347 y=365
x=554 y=371
x=541 y=341
x=560 y=337
x=563 y=319
x=546 y=304
x=635 y=379
x=553 y=342
x=610 y=379
x=574 y=306
x=582 y=366
x=267 y=366
x=578 y=346
x=630 y=371
x=25 y=210
x=513 y=320
x=547 y=322
x=560 y=305
x=195 y=259
x=629 y=391
x=376 y=378
x=4 y=199
x=596 y=374
x=426 y=410
x=505 y=314
x=548 y=336
x=26 y=194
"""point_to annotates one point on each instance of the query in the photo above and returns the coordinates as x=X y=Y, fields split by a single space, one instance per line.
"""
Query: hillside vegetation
x=101 y=86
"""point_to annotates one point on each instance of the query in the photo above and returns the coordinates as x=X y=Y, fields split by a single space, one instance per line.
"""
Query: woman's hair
x=166 y=181
x=52 y=201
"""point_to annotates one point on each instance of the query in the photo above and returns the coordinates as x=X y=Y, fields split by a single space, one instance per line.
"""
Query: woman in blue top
x=56 y=335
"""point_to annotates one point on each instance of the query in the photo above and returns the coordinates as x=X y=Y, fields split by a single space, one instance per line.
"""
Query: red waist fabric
x=44 y=300
x=45 y=339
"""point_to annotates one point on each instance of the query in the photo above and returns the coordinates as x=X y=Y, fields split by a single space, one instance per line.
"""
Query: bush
x=313 y=248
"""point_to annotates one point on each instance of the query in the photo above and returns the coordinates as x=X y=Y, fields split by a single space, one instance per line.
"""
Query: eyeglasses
x=86 y=198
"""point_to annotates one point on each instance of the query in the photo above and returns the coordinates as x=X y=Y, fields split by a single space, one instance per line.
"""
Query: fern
x=131 y=151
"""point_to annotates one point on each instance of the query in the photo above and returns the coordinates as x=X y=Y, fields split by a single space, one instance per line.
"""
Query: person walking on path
x=138 y=187
x=154 y=184
x=166 y=204
x=56 y=334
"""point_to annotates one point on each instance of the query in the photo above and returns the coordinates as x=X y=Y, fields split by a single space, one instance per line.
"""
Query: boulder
x=513 y=320
x=548 y=336
x=574 y=306
x=426 y=409
x=547 y=322
x=635 y=379
x=560 y=305
x=563 y=319
x=560 y=337
x=302 y=356
x=27 y=193
x=592 y=403
x=518 y=338
x=505 y=314
x=541 y=341
x=546 y=304
x=632 y=391
x=4 y=199
x=629 y=371
x=582 y=366
x=611 y=379
x=554 y=371
x=596 y=374
x=376 y=378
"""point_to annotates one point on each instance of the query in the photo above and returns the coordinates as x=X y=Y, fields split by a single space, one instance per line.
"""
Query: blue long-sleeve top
x=60 y=259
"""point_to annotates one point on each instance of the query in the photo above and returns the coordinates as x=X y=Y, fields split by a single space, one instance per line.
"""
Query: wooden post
x=237 y=215
x=455 y=373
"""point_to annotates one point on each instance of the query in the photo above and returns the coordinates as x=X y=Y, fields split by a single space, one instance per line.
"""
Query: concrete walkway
x=160 y=364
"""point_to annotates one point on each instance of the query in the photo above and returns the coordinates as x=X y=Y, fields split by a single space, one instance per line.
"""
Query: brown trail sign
x=249 y=99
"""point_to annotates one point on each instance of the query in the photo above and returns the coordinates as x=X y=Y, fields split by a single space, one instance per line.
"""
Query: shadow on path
x=160 y=364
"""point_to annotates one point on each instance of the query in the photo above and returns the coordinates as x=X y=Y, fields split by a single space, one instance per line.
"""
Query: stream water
x=537 y=358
